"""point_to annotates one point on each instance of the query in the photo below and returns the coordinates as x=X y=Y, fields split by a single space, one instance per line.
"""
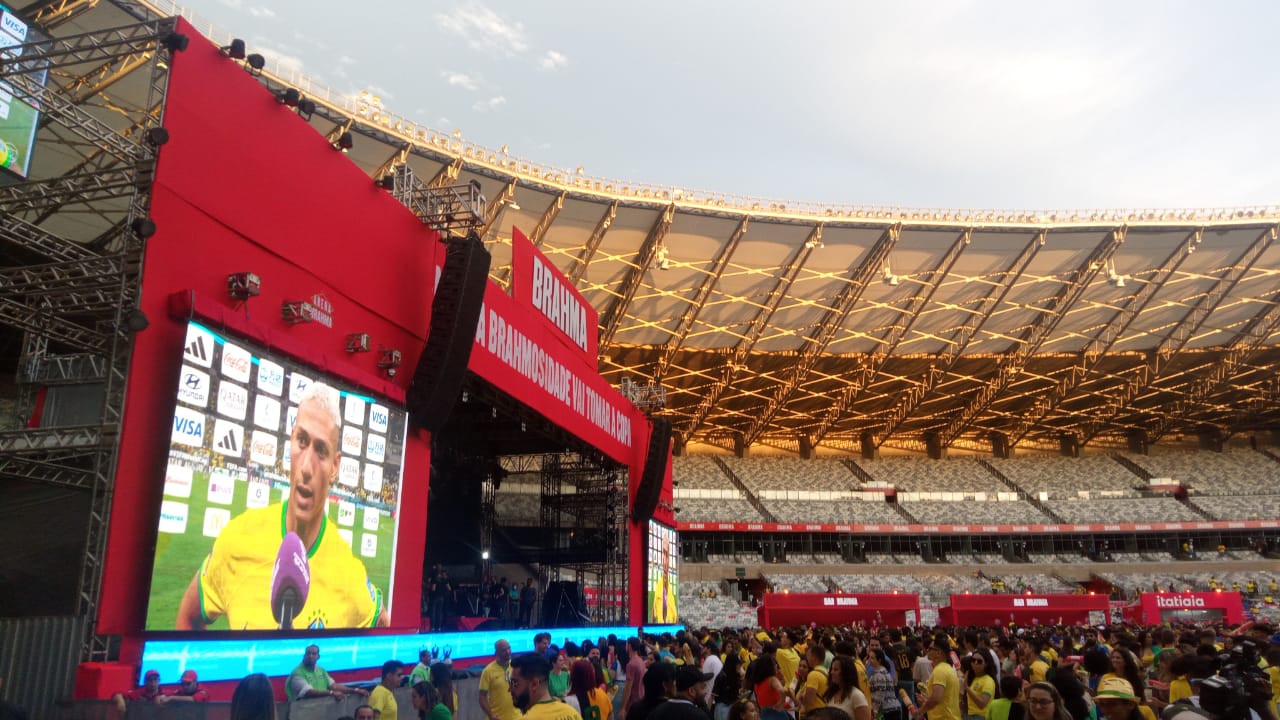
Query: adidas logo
x=197 y=350
x=228 y=443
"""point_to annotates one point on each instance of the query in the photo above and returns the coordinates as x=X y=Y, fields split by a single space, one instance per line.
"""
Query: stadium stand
x=1232 y=472
x=1065 y=477
x=779 y=473
x=1254 y=507
x=965 y=475
x=969 y=511
x=1126 y=510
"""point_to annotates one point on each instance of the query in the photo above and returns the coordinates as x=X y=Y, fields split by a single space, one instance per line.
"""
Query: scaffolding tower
x=72 y=240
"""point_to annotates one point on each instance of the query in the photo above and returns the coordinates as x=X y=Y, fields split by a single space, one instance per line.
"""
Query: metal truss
x=69 y=294
x=1014 y=360
x=1177 y=337
x=593 y=243
x=868 y=372
x=635 y=275
x=690 y=315
x=960 y=339
x=737 y=361
x=832 y=320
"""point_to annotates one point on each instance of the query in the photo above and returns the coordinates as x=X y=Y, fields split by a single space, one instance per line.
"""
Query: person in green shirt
x=422 y=671
x=426 y=701
x=1009 y=705
x=309 y=680
x=558 y=681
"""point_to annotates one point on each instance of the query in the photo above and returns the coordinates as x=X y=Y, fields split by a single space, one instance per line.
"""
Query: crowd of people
x=826 y=673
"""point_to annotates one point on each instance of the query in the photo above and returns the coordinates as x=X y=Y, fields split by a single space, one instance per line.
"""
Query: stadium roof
x=800 y=325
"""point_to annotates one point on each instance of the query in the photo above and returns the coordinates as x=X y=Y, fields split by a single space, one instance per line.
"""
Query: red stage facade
x=1025 y=610
x=1160 y=608
x=922 y=529
x=896 y=609
x=246 y=185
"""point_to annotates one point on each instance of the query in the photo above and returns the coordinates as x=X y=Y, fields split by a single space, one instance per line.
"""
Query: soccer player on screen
x=235 y=579
x=664 y=595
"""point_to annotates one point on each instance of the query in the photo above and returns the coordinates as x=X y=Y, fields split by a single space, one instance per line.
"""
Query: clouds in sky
x=484 y=30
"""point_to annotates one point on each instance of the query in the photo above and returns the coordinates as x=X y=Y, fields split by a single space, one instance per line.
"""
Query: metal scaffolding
x=75 y=298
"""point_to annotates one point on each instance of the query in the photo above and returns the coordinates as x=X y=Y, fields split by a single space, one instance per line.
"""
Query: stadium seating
x=963 y=475
x=778 y=473
x=1232 y=472
x=936 y=511
x=721 y=510
x=1249 y=507
x=1062 y=476
x=1125 y=510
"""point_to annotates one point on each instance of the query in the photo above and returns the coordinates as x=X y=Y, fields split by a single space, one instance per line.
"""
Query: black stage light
x=136 y=320
x=143 y=227
x=256 y=63
x=344 y=142
x=387 y=182
x=288 y=97
x=157 y=136
x=235 y=50
x=176 y=42
x=306 y=108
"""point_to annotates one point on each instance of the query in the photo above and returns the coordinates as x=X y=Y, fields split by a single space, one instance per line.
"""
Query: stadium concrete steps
x=1190 y=505
x=1133 y=467
x=911 y=519
x=1269 y=454
x=746 y=491
x=1022 y=494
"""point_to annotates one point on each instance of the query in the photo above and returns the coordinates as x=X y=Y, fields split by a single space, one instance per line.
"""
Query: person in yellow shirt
x=980 y=689
x=1037 y=668
x=941 y=701
x=1272 y=659
x=788 y=659
x=495 y=685
x=815 y=683
x=529 y=674
x=381 y=699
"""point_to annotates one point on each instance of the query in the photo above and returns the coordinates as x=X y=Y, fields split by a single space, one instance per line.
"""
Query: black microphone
x=290 y=581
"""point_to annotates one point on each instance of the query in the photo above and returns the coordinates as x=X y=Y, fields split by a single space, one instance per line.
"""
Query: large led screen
x=663 y=574
x=280 y=497
x=19 y=116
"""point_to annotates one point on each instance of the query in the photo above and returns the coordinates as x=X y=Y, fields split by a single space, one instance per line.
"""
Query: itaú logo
x=1180 y=602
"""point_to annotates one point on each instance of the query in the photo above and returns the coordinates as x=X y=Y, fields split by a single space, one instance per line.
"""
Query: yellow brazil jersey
x=816 y=681
x=662 y=602
x=384 y=703
x=235 y=578
x=551 y=710
x=495 y=682
x=945 y=675
x=982 y=685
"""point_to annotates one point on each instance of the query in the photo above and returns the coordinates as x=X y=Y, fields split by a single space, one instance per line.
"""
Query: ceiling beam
x=612 y=317
x=897 y=331
x=1103 y=340
x=548 y=217
x=1179 y=334
x=961 y=338
x=832 y=321
x=593 y=243
x=690 y=315
x=399 y=157
x=495 y=207
x=1015 y=358
x=49 y=14
x=737 y=361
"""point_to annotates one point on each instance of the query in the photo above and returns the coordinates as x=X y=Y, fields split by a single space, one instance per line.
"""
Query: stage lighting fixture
x=235 y=50
x=244 y=285
x=157 y=136
x=484 y=555
x=387 y=182
x=176 y=42
x=136 y=321
x=288 y=96
x=512 y=204
x=389 y=360
x=297 y=312
x=143 y=227
x=344 y=142
x=255 y=62
x=306 y=108
x=358 y=342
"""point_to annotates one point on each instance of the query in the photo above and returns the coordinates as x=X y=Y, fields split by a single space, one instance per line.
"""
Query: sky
x=946 y=104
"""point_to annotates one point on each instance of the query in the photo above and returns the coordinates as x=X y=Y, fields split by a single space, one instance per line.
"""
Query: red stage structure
x=896 y=609
x=1160 y=608
x=1025 y=610
x=246 y=185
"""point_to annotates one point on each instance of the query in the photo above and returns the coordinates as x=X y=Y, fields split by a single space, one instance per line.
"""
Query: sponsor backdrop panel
x=230 y=452
x=18 y=118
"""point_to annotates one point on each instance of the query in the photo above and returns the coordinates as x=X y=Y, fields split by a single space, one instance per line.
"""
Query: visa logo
x=379 y=417
x=189 y=427
x=14 y=26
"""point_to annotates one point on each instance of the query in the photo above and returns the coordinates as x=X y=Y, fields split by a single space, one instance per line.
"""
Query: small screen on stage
x=19 y=93
x=663 y=574
x=280 y=499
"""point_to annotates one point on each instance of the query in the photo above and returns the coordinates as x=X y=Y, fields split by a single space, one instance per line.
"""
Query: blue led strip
x=232 y=659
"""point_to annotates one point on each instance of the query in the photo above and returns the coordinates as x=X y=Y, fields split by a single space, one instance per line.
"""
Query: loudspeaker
x=564 y=605
x=437 y=381
x=655 y=469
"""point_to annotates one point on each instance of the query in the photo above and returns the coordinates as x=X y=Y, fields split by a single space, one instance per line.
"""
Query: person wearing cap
x=687 y=702
x=529 y=674
x=190 y=690
x=149 y=692
x=941 y=700
x=1116 y=701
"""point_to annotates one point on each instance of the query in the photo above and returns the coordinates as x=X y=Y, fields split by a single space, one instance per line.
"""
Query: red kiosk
x=1025 y=610
x=895 y=609
x=1165 y=607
